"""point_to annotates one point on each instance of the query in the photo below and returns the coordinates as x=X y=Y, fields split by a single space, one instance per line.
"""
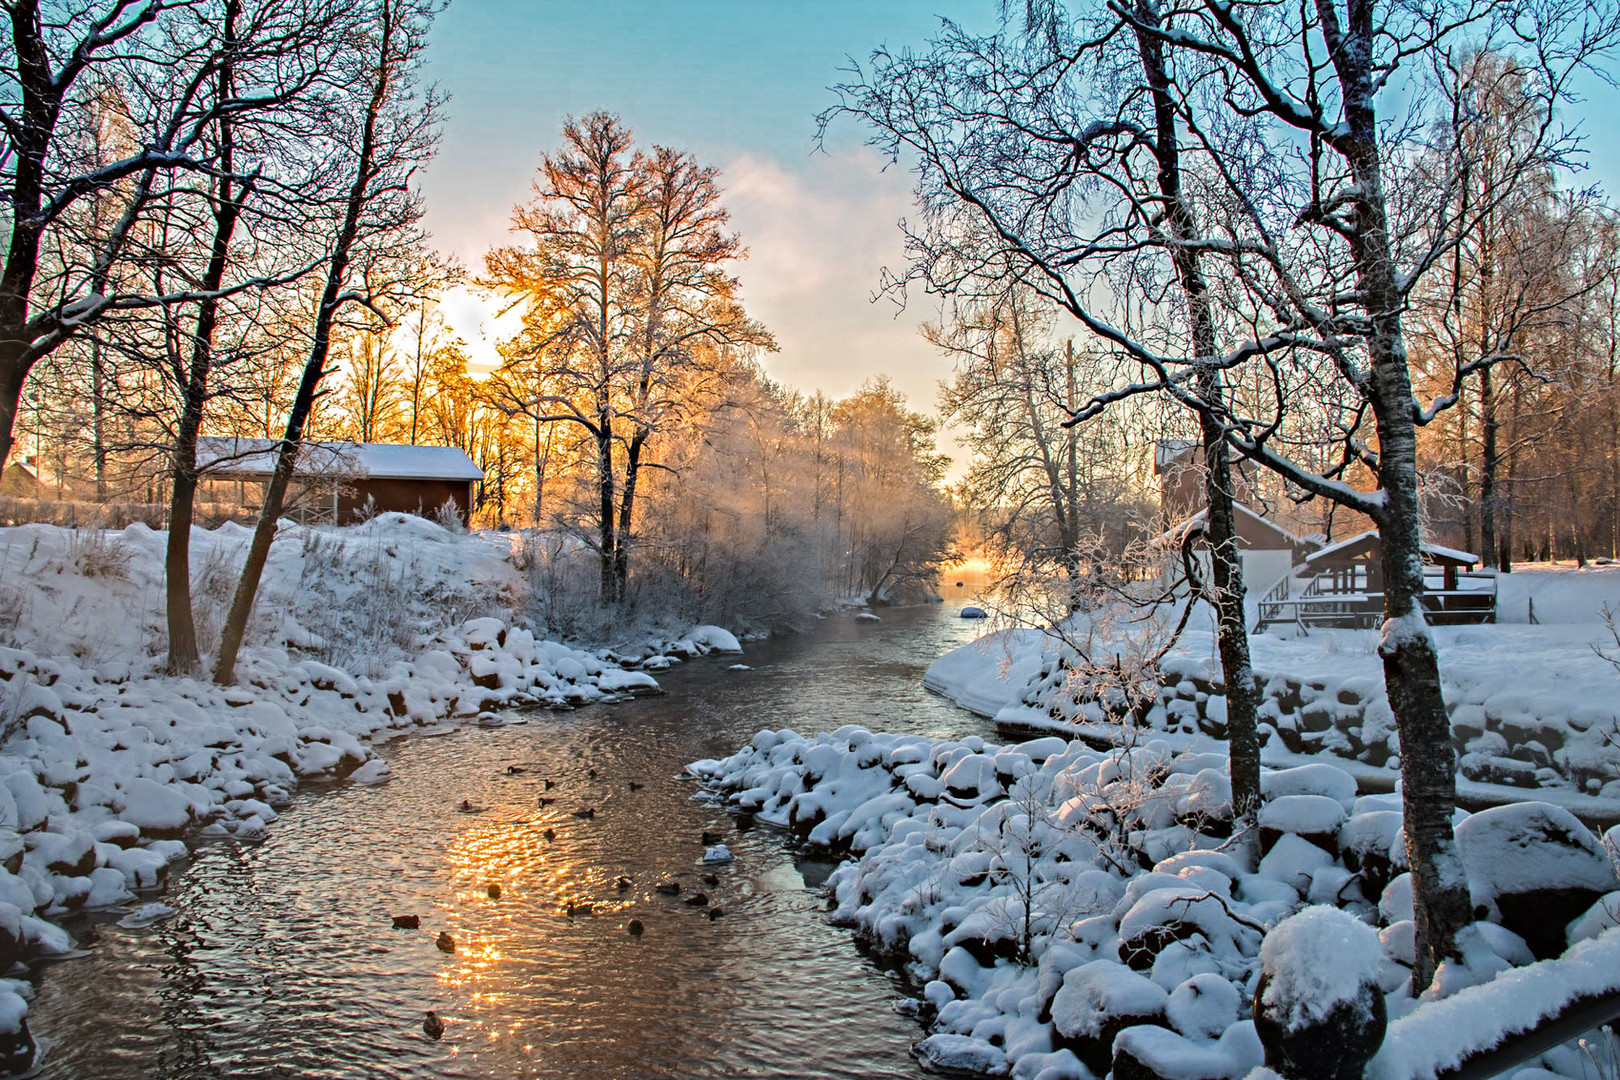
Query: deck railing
x=1325 y=602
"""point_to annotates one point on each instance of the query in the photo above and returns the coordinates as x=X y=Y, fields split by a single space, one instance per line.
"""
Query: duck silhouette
x=550 y=834
x=515 y=770
x=711 y=837
x=635 y=928
x=445 y=942
x=623 y=883
x=635 y=786
x=433 y=1027
x=585 y=812
x=668 y=888
x=579 y=909
x=407 y=922
x=698 y=899
x=494 y=892
x=715 y=913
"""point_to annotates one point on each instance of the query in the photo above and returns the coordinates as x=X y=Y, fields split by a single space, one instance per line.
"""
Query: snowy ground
x=1064 y=908
x=1533 y=706
x=110 y=768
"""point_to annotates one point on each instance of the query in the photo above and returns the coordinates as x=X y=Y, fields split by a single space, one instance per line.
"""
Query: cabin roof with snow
x=1167 y=451
x=1254 y=531
x=1366 y=545
x=254 y=458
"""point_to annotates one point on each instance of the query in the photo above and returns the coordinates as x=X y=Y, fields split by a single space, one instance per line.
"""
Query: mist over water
x=282 y=961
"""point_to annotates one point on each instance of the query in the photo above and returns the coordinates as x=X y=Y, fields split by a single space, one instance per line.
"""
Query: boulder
x=156 y=809
x=1318 y=1007
x=1534 y=868
x=1365 y=846
x=1148 y=1052
x=1316 y=818
x=1096 y=1002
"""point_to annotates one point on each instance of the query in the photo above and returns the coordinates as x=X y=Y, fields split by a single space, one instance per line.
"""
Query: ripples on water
x=282 y=963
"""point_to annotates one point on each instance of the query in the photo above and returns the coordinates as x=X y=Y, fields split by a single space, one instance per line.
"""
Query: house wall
x=19 y=482
x=406 y=496
x=1181 y=490
x=1263 y=568
x=313 y=500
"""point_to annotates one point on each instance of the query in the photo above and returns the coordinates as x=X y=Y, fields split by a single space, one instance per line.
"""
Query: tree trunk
x=98 y=417
x=12 y=376
x=194 y=396
x=1504 y=545
x=607 y=537
x=314 y=367
x=627 y=506
x=1411 y=667
x=1226 y=568
x=1491 y=459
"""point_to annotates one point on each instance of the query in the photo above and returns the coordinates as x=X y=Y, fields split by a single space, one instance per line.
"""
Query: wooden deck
x=1454 y=598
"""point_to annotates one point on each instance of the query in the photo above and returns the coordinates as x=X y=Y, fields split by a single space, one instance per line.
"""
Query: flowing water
x=282 y=961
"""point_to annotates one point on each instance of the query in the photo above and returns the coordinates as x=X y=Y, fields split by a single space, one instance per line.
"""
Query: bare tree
x=1044 y=486
x=394 y=131
x=1033 y=171
x=627 y=301
x=79 y=212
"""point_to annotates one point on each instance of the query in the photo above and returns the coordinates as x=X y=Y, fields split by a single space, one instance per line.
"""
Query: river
x=282 y=961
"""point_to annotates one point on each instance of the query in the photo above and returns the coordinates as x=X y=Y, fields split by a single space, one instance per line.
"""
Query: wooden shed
x=21 y=480
x=1343 y=585
x=339 y=481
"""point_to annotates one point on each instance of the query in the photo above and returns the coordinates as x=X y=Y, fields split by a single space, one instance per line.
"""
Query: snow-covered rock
x=1537 y=867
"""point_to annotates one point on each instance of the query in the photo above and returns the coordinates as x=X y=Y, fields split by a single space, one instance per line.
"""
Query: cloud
x=819 y=237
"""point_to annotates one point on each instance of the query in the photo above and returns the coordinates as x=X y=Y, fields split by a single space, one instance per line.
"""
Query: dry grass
x=80 y=514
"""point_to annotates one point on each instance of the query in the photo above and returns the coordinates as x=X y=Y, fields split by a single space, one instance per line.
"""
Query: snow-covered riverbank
x=110 y=767
x=1065 y=908
x=1533 y=707
x=1070 y=911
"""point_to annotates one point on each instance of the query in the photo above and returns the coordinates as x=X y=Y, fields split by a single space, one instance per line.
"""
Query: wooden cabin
x=1266 y=550
x=1342 y=585
x=339 y=482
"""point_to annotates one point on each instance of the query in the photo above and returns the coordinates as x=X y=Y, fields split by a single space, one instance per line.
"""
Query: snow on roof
x=230 y=456
x=1198 y=520
x=1167 y=450
x=1372 y=534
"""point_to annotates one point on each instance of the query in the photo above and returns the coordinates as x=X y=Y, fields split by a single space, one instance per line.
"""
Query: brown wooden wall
x=407 y=496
